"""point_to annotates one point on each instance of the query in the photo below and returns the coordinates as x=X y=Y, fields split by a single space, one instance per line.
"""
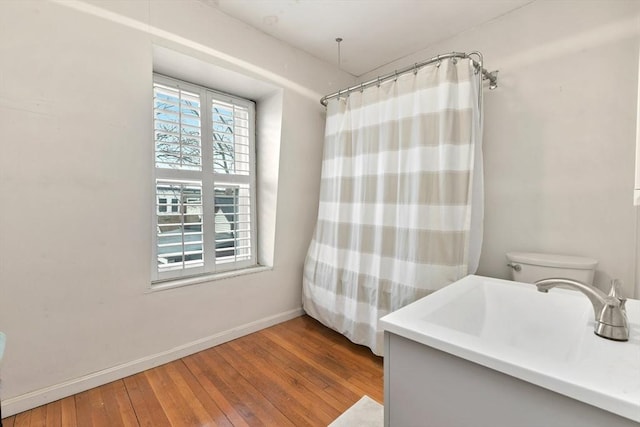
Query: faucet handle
x=616 y=293
x=615 y=289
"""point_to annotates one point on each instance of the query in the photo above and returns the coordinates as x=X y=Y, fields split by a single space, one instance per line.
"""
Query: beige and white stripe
x=396 y=198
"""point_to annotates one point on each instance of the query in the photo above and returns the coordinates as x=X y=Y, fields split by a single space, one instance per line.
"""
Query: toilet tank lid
x=553 y=260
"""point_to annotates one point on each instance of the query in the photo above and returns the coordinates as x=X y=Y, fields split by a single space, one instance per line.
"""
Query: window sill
x=194 y=280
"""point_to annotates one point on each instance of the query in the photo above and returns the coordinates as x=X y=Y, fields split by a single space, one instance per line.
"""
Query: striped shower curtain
x=401 y=207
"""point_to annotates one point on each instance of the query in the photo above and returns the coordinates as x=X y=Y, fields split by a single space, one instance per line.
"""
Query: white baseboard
x=17 y=404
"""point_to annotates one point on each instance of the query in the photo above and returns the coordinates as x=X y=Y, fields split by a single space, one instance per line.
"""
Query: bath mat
x=366 y=412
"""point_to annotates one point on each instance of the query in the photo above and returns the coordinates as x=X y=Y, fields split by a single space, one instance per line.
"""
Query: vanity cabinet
x=426 y=387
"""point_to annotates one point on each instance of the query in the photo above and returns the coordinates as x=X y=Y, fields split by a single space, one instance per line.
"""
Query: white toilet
x=530 y=267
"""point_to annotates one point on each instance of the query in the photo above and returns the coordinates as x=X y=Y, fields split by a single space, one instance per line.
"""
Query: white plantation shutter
x=204 y=215
x=232 y=170
x=233 y=221
x=177 y=128
x=231 y=145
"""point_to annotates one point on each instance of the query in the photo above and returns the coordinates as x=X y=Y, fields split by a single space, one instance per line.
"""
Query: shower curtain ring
x=415 y=69
x=361 y=87
x=378 y=81
x=396 y=76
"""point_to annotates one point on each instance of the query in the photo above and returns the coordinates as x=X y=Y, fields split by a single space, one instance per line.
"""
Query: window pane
x=232 y=223
x=230 y=138
x=162 y=204
x=179 y=234
x=177 y=128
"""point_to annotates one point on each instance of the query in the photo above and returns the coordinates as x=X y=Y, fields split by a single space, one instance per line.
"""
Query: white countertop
x=544 y=339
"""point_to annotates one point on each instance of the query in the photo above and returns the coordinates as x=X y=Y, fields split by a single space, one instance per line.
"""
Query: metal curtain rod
x=491 y=76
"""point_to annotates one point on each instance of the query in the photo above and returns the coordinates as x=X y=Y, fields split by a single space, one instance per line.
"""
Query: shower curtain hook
x=361 y=87
x=378 y=81
x=396 y=77
x=415 y=69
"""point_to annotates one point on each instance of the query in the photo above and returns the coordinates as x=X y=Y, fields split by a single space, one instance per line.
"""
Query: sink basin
x=515 y=319
x=544 y=339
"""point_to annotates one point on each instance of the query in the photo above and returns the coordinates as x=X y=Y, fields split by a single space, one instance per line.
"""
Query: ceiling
x=374 y=32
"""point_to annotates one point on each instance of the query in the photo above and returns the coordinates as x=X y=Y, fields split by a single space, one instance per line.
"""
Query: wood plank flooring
x=297 y=373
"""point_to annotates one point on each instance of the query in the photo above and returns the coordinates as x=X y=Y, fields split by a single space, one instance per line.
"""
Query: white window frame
x=209 y=180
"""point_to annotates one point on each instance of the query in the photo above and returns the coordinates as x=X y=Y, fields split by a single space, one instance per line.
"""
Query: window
x=204 y=215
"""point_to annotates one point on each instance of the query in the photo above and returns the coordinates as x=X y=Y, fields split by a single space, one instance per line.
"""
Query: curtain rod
x=491 y=76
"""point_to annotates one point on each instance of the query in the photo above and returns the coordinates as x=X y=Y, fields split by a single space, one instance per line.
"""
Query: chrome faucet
x=611 y=316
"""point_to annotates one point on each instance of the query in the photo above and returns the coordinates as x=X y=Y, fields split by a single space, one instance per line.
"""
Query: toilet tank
x=530 y=267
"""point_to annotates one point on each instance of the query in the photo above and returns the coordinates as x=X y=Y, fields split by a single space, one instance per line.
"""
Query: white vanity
x=546 y=365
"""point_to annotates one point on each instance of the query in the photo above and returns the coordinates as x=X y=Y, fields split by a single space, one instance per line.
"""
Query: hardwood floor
x=297 y=373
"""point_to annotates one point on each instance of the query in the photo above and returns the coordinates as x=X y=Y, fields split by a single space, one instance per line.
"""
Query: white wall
x=559 y=131
x=75 y=190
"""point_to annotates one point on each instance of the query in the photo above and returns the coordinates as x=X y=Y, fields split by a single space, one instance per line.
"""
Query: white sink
x=545 y=339
x=511 y=316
